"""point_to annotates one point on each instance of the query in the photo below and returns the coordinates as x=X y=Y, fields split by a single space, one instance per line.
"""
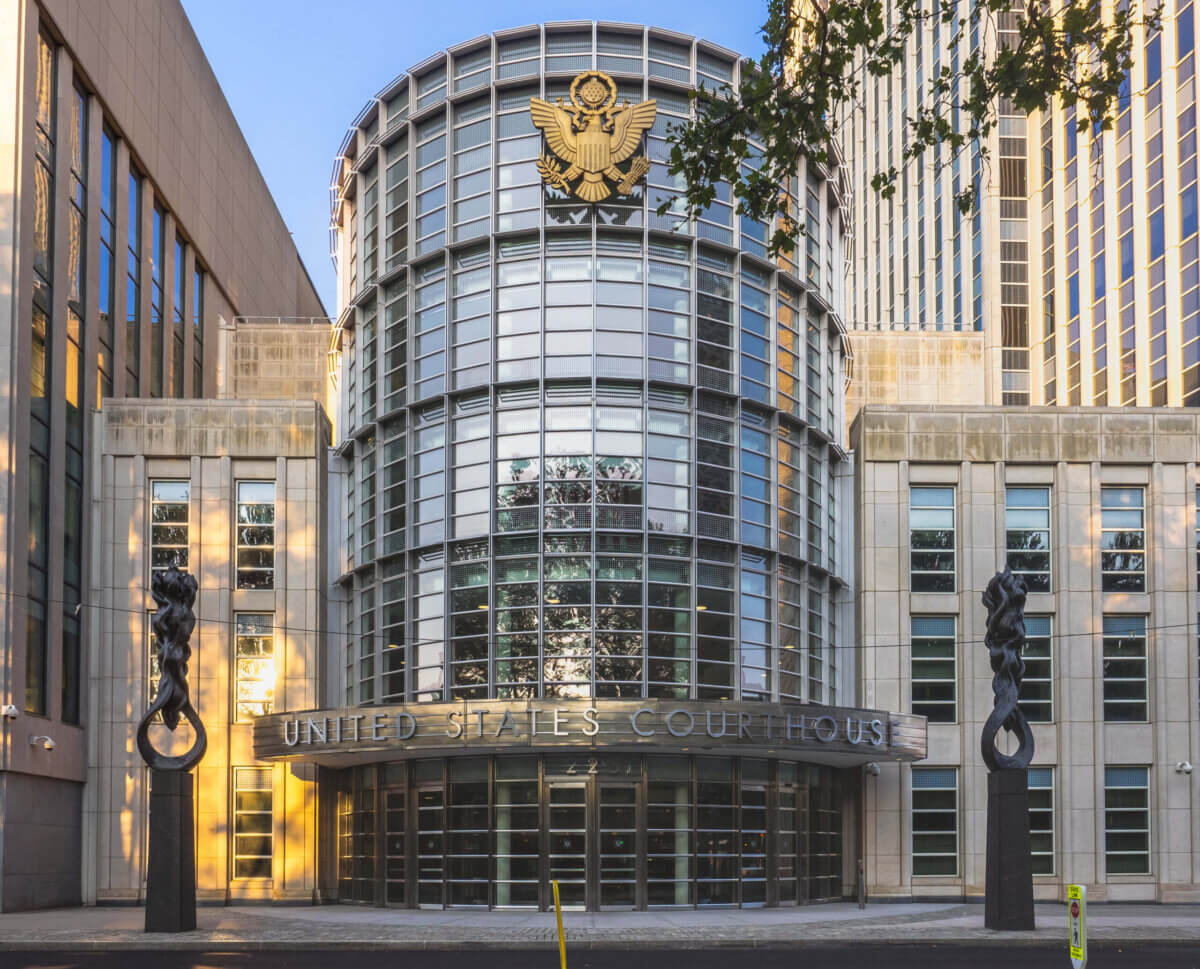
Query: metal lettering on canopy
x=843 y=736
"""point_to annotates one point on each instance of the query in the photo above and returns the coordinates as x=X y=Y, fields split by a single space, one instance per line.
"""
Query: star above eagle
x=592 y=135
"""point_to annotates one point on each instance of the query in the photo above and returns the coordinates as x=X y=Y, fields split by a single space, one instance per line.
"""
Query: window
x=153 y=669
x=935 y=820
x=254 y=658
x=1125 y=669
x=1123 y=539
x=198 y=332
x=168 y=525
x=252 y=822
x=133 y=285
x=256 y=535
x=1037 y=688
x=931 y=539
x=1127 y=820
x=1041 y=819
x=934 y=668
x=1027 y=527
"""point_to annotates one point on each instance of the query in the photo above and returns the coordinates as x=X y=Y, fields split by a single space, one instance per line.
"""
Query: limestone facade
x=1077 y=453
x=204 y=450
x=914 y=367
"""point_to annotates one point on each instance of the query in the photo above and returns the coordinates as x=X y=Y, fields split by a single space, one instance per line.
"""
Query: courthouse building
x=589 y=623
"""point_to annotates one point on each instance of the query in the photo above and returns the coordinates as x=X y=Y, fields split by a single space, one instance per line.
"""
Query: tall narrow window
x=935 y=820
x=1041 y=819
x=198 y=332
x=1037 y=688
x=254 y=687
x=931 y=539
x=1027 y=527
x=153 y=669
x=934 y=668
x=108 y=216
x=42 y=342
x=253 y=835
x=1127 y=820
x=1123 y=539
x=256 y=535
x=133 y=288
x=177 y=313
x=1125 y=669
x=169 y=525
x=73 y=393
x=157 y=261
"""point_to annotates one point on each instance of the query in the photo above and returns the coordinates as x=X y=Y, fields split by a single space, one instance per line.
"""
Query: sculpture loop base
x=1008 y=905
x=171 y=872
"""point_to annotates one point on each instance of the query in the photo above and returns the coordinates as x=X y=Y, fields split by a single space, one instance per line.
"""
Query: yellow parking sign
x=1077 y=919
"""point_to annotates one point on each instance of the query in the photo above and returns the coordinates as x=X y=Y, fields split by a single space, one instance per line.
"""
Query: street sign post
x=1077 y=919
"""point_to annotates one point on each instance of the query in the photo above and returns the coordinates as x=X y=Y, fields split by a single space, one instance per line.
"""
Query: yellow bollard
x=562 y=944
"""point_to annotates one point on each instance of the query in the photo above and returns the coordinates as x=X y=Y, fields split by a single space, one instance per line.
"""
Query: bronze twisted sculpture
x=175 y=594
x=1005 y=602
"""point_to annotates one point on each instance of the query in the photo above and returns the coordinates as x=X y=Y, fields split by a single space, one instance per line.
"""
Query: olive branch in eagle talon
x=592 y=135
x=552 y=174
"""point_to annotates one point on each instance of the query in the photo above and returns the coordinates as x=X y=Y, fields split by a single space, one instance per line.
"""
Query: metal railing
x=283 y=320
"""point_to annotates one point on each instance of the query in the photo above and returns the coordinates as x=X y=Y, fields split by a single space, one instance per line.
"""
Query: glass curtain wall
x=615 y=831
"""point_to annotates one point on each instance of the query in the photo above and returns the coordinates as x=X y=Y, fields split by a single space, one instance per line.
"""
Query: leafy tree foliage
x=819 y=54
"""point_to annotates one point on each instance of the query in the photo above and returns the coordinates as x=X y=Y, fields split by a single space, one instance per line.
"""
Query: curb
x=247 y=945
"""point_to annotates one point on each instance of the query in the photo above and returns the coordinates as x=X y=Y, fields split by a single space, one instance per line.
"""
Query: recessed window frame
x=1122 y=787
x=247 y=813
x=253 y=640
x=923 y=498
x=1019 y=520
x=1112 y=509
x=927 y=810
x=1121 y=636
x=938 y=640
x=1041 y=819
x=245 y=572
x=1039 y=669
x=168 y=505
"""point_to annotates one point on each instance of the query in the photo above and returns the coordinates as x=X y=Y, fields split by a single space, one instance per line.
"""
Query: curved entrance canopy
x=837 y=736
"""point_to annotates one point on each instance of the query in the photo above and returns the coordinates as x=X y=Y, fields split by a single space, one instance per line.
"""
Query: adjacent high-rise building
x=132 y=220
x=1113 y=238
x=1075 y=267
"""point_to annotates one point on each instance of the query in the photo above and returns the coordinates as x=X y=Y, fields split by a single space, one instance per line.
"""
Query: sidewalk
x=341 y=926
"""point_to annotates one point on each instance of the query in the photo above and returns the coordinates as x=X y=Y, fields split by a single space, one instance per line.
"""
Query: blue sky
x=297 y=72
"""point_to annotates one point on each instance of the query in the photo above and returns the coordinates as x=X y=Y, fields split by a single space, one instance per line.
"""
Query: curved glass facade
x=615 y=831
x=588 y=451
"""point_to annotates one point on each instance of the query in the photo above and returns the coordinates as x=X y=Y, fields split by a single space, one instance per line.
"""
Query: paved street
x=839 y=957
x=288 y=929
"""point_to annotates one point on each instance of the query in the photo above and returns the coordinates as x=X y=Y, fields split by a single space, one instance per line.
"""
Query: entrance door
x=617 y=871
x=567 y=829
x=431 y=836
x=394 y=855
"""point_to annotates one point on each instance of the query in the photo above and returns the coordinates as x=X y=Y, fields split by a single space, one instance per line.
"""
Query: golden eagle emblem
x=592 y=136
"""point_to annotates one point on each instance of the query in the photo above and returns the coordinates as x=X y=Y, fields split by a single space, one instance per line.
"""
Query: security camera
x=873 y=769
x=10 y=711
x=47 y=742
x=1183 y=767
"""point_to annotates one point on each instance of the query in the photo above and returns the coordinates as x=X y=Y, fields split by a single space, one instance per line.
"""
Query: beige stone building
x=233 y=492
x=1098 y=509
x=275 y=358
x=899 y=366
x=133 y=219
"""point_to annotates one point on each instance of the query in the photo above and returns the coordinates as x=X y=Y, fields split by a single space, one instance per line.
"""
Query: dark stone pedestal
x=171 y=873
x=1009 y=900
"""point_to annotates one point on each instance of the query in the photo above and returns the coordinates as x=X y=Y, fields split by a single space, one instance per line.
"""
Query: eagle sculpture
x=592 y=135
